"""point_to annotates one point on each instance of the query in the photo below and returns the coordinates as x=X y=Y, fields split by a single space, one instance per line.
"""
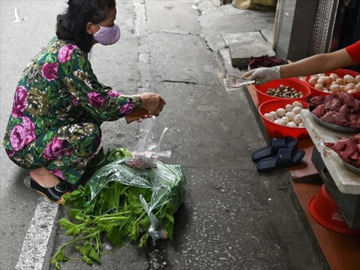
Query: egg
x=333 y=76
x=357 y=79
x=288 y=107
x=283 y=122
x=285 y=119
x=291 y=124
x=319 y=87
x=290 y=115
x=334 y=88
x=269 y=117
x=321 y=81
x=352 y=91
x=349 y=86
x=312 y=81
x=280 y=112
x=328 y=80
x=348 y=78
x=297 y=104
x=278 y=122
x=357 y=87
x=274 y=114
x=301 y=125
x=340 y=81
x=297 y=119
x=296 y=110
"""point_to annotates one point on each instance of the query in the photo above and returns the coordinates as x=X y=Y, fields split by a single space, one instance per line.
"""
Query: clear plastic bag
x=143 y=169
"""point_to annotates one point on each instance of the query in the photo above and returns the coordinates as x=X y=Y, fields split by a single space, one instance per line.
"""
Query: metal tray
x=352 y=168
x=333 y=126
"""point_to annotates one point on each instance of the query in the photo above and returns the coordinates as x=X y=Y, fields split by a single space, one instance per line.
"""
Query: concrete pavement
x=233 y=217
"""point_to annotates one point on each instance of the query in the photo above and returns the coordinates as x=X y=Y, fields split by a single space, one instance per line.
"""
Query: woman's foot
x=44 y=178
x=48 y=185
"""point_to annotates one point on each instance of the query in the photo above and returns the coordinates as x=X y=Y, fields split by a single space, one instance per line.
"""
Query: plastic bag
x=143 y=169
x=147 y=149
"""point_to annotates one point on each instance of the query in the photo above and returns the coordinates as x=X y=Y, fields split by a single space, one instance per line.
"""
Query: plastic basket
x=324 y=210
x=341 y=73
x=295 y=83
x=275 y=130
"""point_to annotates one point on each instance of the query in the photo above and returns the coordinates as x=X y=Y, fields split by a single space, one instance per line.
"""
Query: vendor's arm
x=319 y=63
x=312 y=65
x=100 y=101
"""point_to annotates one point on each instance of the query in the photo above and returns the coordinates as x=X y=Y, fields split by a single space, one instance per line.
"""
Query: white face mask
x=108 y=35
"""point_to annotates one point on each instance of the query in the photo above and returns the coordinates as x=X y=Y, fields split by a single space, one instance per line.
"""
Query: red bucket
x=295 y=83
x=275 y=130
x=341 y=73
x=325 y=211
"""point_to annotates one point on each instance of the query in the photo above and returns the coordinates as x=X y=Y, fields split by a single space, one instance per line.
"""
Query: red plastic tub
x=295 y=83
x=341 y=73
x=276 y=130
x=324 y=210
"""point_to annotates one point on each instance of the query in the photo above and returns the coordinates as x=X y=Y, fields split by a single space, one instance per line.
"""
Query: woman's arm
x=317 y=64
x=312 y=65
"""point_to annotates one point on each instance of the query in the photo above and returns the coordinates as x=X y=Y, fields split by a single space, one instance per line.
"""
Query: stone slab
x=251 y=45
x=228 y=19
x=226 y=60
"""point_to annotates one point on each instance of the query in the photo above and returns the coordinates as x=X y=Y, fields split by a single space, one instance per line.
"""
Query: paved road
x=233 y=217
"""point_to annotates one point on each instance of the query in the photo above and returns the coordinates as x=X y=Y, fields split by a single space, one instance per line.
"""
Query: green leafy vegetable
x=108 y=206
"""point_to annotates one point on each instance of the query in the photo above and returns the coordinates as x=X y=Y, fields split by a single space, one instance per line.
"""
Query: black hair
x=71 y=25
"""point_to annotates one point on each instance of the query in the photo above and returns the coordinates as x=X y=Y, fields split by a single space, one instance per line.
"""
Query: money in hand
x=233 y=82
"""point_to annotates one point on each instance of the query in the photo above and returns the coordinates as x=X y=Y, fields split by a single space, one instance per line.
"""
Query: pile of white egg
x=334 y=84
x=288 y=116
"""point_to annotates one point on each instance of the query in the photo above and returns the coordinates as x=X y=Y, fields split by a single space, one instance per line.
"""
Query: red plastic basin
x=275 y=130
x=341 y=73
x=295 y=83
x=324 y=210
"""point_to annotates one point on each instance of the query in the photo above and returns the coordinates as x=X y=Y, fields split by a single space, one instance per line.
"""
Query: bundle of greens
x=120 y=204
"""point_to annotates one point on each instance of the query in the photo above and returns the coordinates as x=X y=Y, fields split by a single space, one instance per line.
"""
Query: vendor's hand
x=263 y=74
x=153 y=103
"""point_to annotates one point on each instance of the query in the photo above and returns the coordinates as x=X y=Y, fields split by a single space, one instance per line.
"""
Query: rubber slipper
x=272 y=150
x=286 y=157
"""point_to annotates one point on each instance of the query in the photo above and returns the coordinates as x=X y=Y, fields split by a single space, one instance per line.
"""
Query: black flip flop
x=286 y=157
x=272 y=150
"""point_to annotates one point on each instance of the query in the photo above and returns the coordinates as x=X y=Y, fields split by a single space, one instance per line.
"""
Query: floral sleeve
x=100 y=101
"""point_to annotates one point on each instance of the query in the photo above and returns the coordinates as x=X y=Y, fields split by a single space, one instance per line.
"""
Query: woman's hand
x=152 y=102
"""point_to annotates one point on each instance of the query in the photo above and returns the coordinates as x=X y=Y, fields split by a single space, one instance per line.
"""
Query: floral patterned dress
x=57 y=111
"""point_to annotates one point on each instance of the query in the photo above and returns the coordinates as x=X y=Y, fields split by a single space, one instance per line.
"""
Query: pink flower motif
x=19 y=104
x=58 y=173
x=50 y=71
x=127 y=108
x=113 y=93
x=22 y=134
x=74 y=101
x=65 y=52
x=96 y=99
x=55 y=148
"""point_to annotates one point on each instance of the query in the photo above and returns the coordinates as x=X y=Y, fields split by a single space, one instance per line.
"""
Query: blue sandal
x=272 y=150
x=286 y=157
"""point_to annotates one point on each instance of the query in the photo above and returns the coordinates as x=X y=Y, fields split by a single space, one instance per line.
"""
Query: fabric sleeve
x=354 y=51
x=100 y=101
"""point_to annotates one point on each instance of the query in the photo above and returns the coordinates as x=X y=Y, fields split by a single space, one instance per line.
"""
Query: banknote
x=233 y=82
